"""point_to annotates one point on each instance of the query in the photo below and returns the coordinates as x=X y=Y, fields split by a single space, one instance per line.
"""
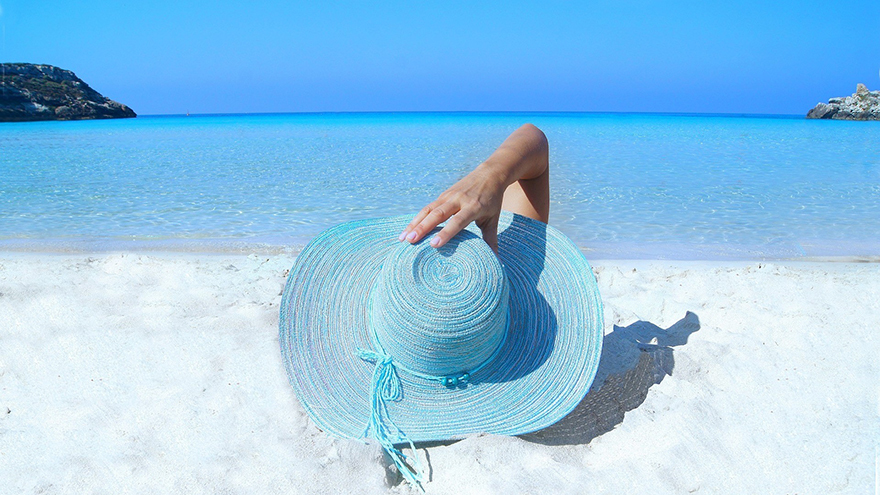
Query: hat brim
x=544 y=369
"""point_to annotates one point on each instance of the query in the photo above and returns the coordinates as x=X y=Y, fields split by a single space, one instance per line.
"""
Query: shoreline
x=134 y=372
x=817 y=252
x=292 y=253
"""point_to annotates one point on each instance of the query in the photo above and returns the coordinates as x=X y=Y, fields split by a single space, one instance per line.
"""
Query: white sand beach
x=161 y=373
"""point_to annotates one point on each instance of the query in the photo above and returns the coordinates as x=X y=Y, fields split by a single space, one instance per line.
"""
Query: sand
x=160 y=373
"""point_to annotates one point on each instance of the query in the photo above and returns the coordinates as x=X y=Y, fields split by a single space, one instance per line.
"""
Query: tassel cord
x=386 y=386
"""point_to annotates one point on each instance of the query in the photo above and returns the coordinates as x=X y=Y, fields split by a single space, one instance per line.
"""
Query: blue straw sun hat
x=408 y=343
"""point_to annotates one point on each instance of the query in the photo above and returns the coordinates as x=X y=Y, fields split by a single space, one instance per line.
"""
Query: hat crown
x=441 y=311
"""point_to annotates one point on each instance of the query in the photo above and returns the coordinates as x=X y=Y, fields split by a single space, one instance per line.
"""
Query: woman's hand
x=515 y=177
x=475 y=198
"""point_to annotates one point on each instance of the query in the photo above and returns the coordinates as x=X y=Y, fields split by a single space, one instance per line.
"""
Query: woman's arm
x=515 y=177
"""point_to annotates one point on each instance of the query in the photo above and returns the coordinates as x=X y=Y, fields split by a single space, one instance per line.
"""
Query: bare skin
x=516 y=177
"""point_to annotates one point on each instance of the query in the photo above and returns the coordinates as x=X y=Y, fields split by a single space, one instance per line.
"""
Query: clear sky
x=744 y=56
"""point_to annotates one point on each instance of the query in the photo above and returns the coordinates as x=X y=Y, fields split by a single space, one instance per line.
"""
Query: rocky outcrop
x=862 y=105
x=45 y=92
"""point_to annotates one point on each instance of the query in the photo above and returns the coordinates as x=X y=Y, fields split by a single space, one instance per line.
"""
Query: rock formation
x=44 y=92
x=862 y=105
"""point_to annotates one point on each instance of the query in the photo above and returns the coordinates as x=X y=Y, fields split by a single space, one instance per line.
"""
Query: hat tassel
x=385 y=386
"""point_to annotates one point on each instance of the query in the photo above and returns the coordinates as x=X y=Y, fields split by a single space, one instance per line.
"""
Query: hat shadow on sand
x=634 y=358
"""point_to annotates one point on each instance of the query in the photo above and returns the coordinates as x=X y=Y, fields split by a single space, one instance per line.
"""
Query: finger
x=455 y=225
x=437 y=216
x=418 y=219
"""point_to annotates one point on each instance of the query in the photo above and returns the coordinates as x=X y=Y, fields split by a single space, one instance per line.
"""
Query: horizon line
x=512 y=112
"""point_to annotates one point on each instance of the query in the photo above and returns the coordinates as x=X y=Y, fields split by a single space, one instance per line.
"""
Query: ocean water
x=622 y=185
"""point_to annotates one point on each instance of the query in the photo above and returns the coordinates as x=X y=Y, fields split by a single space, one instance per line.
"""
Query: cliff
x=44 y=92
x=862 y=105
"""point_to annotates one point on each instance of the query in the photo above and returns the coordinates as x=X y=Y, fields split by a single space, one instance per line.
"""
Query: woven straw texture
x=544 y=366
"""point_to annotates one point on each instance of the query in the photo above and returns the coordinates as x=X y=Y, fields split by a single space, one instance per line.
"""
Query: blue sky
x=164 y=57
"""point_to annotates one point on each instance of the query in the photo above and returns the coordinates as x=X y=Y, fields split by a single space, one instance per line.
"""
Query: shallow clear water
x=623 y=185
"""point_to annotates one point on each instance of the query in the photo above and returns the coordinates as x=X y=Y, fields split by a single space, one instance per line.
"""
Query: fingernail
x=435 y=241
x=412 y=236
x=402 y=236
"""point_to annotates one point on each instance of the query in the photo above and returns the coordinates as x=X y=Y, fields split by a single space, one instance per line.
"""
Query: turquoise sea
x=623 y=185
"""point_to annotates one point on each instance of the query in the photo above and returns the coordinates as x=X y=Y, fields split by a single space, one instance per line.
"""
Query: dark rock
x=861 y=105
x=44 y=92
x=822 y=111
